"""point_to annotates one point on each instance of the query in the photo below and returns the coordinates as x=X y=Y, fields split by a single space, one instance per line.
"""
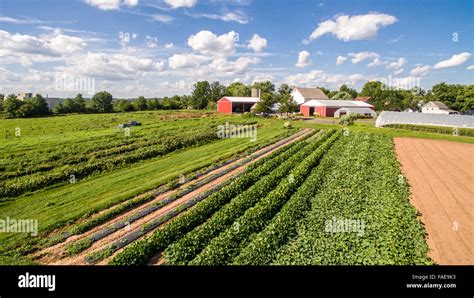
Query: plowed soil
x=441 y=179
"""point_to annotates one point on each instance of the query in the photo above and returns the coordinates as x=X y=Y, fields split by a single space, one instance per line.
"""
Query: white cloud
x=20 y=21
x=226 y=67
x=304 y=59
x=161 y=18
x=169 y=45
x=180 y=61
x=181 y=3
x=31 y=48
x=226 y=16
x=397 y=64
x=455 y=60
x=398 y=71
x=112 y=4
x=376 y=62
x=420 y=71
x=357 y=27
x=206 y=42
x=124 y=38
x=340 y=60
x=319 y=77
x=470 y=67
x=112 y=67
x=257 y=43
x=361 y=56
x=151 y=41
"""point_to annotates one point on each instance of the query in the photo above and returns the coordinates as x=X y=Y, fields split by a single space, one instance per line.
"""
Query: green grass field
x=46 y=146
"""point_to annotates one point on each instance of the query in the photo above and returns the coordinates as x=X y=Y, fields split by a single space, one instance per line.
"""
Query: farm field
x=441 y=176
x=172 y=192
x=68 y=143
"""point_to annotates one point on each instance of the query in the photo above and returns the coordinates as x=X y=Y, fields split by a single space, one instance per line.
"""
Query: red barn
x=229 y=104
x=327 y=108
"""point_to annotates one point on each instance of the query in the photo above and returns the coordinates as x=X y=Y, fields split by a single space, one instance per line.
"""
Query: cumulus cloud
x=112 y=4
x=303 y=59
x=112 y=67
x=470 y=67
x=226 y=67
x=397 y=64
x=180 y=61
x=340 y=60
x=181 y=3
x=206 y=42
x=169 y=45
x=151 y=41
x=376 y=62
x=319 y=77
x=361 y=56
x=257 y=43
x=32 y=49
x=455 y=60
x=357 y=27
x=420 y=71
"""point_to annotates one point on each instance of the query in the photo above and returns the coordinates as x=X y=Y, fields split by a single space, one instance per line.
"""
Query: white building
x=437 y=107
x=302 y=95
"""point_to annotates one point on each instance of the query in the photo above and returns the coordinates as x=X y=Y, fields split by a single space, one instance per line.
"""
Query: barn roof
x=311 y=93
x=241 y=99
x=337 y=103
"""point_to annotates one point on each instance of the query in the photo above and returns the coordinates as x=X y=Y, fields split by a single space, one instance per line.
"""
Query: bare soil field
x=441 y=179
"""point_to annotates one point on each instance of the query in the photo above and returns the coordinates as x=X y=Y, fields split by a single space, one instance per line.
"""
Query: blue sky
x=161 y=47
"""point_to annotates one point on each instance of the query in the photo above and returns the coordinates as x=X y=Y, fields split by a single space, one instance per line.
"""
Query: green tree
x=287 y=104
x=26 y=110
x=39 y=104
x=59 y=108
x=79 y=104
x=153 y=104
x=350 y=91
x=2 y=98
x=11 y=105
x=101 y=102
x=68 y=106
x=342 y=95
x=140 y=104
x=122 y=105
x=216 y=91
x=201 y=94
x=238 y=89
x=264 y=87
x=285 y=89
x=265 y=103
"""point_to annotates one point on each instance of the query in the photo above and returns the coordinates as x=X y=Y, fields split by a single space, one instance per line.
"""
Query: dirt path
x=441 y=179
x=56 y=254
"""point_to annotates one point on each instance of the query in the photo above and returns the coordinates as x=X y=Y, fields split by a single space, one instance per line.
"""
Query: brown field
x=441 y=179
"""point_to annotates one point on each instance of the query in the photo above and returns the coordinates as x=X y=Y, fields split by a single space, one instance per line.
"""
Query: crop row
x=33 y=182
x=264 y=246
x=81 y=245
x=222 y=249
x=139 y=252
x=361 y=215
x=192 y=243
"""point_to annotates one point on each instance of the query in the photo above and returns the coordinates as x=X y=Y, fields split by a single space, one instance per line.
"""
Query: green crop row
x=29 y=183
x=361 y=215
x=192 y=243
x=262 y=249
x=222 y=249
x=139 y=252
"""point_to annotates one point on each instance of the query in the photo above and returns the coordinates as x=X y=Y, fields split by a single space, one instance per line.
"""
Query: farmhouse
x=327 y=108
x=230 y=104
x=302 y=95
x=437 y=107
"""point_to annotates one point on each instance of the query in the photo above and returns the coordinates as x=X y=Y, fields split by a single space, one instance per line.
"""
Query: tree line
x=205 y=96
